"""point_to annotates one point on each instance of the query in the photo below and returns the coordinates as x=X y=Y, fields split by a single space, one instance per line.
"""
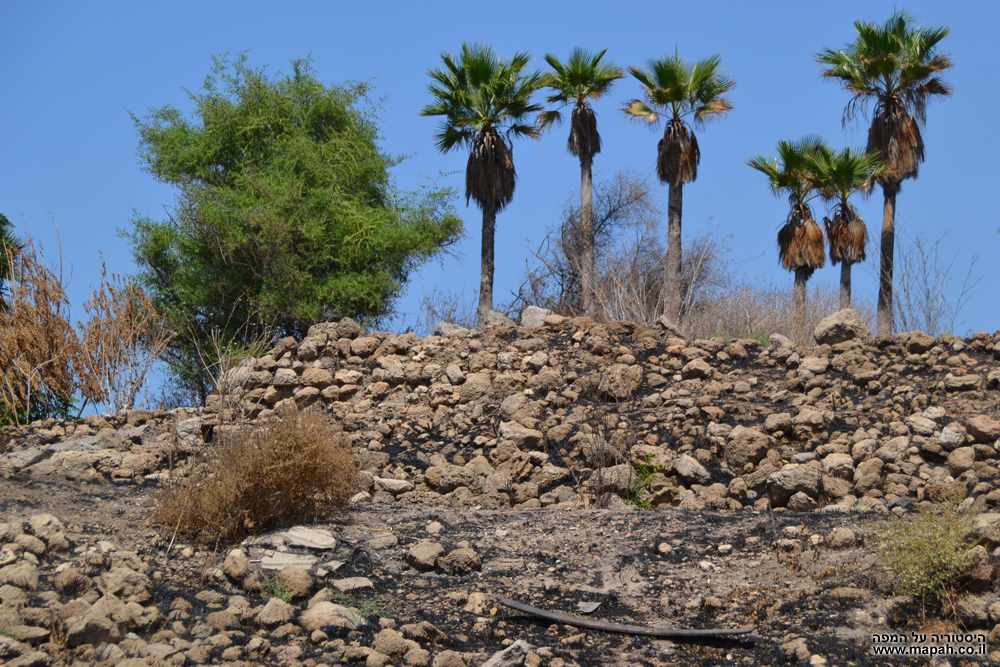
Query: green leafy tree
x=841 y=175
x=285 y=213
x=800 y=240
x=676 y=90
x=582 y=78
x=895 y=68
x=10 y=247
x=485 y=100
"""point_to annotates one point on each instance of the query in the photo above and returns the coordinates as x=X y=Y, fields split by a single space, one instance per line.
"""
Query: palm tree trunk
x=845 y=284
x=587 y=230
x=672 y=281
x=486 y=269
x=885 y=319
x=799 y=305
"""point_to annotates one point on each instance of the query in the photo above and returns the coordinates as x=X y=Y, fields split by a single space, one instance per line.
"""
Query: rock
x=448 y=659
x=512 y=656
x=276 y=612
x=327 y=614
x=791 y=479
x=23 y=574
x=126 y=584
x=310 y=538
x=236 y=565
x=746 y=445
x=461 y=562
x=839 y=465
x=393 y=644
x=449 y=329
x=533 y=316
x=697 y=368
x=839 y=327
x=297 y=580
x=691 y=471
x=800 y=502
x=72 y=583
x=917 y=342
x=280 y=560
x=986 y=527
x=521 y=436
x=952 y=436
x=352 y=584
x=423 y=555
x=960 y=460
x=619 y=382
x=493 y=318
x=983 y=429
x=453 y=477
x=968 y=382
x=815 y=365
x=840 y=537
x=475 y=386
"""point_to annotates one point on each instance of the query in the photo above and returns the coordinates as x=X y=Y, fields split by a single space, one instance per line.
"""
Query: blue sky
x=70 y=72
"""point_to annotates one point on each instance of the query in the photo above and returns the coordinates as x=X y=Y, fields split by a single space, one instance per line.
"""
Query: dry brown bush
x=41 y=359
x=259 y=477
x=122 y=339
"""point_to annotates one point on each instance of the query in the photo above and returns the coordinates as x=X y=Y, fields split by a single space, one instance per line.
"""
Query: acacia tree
x=894 y=66
x=840 y=175
x=485 y=100
x=676 y=89
x=800 y=239
x=285 y=213
x=584 y=77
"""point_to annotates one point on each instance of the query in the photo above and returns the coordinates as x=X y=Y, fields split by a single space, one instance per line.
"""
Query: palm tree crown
x=792 y=173
x=483 y=98
x=582 y=78
x=677 y=89
x=895 y=65
x=840 y=175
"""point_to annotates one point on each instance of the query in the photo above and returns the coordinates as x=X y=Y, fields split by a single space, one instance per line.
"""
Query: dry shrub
x=122 y=339
x=41 y=359
x=266 y=476
x=438 y=307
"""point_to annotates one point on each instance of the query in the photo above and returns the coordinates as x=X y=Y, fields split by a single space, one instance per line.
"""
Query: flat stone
x=352 y=584
x=325 y=614
x=310 y=538
x=280 y=560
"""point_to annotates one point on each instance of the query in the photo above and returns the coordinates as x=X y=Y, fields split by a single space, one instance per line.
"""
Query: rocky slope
x=498 y=463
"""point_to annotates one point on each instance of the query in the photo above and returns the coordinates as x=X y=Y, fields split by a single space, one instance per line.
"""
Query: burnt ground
x=660 y=568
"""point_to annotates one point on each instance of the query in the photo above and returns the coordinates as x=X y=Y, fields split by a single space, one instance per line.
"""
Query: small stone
x=236 y=565
x=352 y=584
x=327 y=614
x=276 y=612
x=423 y=555
x=297 y=580
x=461 y=562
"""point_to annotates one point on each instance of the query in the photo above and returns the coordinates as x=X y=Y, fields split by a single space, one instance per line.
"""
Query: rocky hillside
x=513 y=462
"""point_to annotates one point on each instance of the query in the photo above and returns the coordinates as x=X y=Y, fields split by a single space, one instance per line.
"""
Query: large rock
x=841 y=326
x=475 y=386
x=424 y=555
x=745 y=445
x=327 y=614
x=461 y=562
x=126 y=584
x=619 y=382
x=512 y=656
x=691 y=471
x=276 y=612
x=791 y=479
x=983 y=429
x=533 y=316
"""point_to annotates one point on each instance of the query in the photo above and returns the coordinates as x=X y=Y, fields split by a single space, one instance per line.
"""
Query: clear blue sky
x=70 y=72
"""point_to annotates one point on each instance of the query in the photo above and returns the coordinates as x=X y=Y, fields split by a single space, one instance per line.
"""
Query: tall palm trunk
x=486 y=276
x=799 y=305
x=672 y=280
x=845 y=284
x=885 y=317
x=587 y=231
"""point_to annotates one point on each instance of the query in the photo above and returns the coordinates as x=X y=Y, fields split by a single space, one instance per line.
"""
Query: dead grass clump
x=261 y=477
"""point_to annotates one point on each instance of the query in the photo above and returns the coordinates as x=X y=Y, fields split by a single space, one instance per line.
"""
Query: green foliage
x=926 y=553
x=365 y=607
x=639 y=493
x=285 y=211
x=758 y=335
x=276 y=588
x=10 y=246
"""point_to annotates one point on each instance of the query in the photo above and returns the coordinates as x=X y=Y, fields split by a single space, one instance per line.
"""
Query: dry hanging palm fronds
x=677 y=154
x=895 y=135
x=490 y=176
x=583 y=137
x=800 y=242
x=847 y=235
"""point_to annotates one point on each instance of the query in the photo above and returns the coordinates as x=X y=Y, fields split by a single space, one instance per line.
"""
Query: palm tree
x=896 y=66
x=10 y=246
x=582 y=78
x=841 y=175
x=800 y=240
x=485 y=100
x=676 y=89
